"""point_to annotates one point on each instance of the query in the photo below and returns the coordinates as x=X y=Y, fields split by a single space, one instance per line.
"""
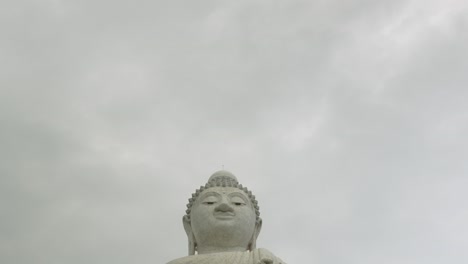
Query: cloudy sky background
x=347 y=119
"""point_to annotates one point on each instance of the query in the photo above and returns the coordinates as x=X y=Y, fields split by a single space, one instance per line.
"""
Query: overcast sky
x=347 y=119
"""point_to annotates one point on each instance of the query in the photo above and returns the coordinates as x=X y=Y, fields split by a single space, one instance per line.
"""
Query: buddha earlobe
x=190 y=236
x=253 y=241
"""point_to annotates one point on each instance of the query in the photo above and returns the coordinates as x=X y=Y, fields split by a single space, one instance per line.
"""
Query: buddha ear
x=190 y=236
x=253 y=241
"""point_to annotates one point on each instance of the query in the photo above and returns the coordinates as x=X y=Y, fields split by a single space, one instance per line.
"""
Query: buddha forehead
x=223 y=191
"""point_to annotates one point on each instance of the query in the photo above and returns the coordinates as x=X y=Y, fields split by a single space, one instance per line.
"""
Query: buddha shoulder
x=256 y=256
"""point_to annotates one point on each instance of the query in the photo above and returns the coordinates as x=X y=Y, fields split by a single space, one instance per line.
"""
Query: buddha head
x=222 y=216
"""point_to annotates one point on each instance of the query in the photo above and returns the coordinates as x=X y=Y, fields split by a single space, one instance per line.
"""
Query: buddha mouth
x=224 y=215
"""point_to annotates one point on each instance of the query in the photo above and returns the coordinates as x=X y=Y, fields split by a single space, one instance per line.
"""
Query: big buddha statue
x=222 y=223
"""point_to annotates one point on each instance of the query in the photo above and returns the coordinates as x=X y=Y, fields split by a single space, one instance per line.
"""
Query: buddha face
x=223 y=217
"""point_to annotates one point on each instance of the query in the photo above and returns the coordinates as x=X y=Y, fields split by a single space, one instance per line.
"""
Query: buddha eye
x=237 y=201
x=209 y=200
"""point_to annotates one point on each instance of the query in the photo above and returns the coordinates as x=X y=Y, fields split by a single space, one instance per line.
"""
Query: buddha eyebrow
x=240 y=195
x=210 y=194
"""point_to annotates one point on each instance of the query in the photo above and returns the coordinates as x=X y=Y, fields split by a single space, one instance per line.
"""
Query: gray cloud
x=347 y=120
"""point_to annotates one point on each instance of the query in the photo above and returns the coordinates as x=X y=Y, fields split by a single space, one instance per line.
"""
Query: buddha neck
x=213 y=249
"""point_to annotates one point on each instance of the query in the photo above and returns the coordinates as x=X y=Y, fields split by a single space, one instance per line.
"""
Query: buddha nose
x=224 y=207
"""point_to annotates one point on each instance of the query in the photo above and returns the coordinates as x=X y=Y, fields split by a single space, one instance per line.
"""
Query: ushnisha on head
x=222 y=216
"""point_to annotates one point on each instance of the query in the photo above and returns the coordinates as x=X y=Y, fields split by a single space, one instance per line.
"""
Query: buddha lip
x=224 y=214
